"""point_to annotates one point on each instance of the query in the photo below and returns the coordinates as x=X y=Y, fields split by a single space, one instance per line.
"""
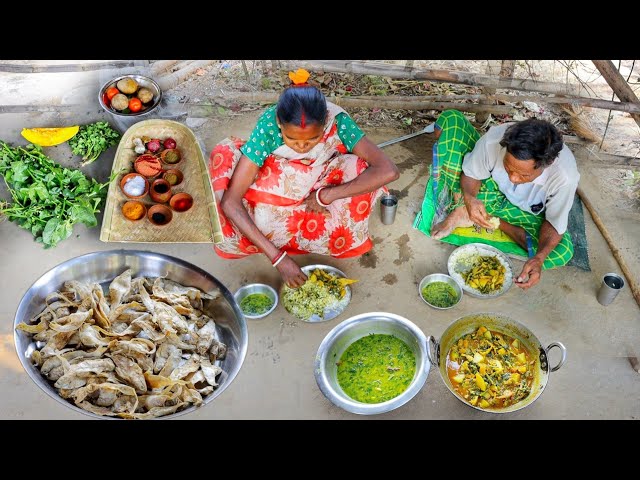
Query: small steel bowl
x=256 y=288
x=142 y=82
x=440 y=277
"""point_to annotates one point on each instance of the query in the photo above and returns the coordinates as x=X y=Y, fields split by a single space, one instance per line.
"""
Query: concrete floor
x=276 y=380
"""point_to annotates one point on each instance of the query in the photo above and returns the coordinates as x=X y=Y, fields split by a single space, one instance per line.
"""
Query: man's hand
x=477 y=212
x=291 y=273
x=530 y=274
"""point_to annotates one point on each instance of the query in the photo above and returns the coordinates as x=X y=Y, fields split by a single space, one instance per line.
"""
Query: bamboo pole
x=614 y=249
x=617 y=83
x=413 y=103
x=450 y=76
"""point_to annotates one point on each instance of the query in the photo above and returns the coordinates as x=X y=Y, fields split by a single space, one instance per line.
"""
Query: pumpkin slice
x=47 y=137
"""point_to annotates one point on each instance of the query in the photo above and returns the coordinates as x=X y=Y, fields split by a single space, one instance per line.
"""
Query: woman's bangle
x=325 y=205
x=278 y=259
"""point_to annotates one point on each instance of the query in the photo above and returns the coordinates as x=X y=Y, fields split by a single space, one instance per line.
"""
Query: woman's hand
x=311 y=203
x=291 y=273
x=477 y=212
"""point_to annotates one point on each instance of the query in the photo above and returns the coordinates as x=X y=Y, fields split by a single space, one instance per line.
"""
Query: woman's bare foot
x=458 y=218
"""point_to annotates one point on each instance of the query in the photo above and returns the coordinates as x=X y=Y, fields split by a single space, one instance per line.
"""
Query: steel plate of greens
x=376 y=368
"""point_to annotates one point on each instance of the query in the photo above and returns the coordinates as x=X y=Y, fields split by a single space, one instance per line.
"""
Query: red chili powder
x=183 y=204
x=148 y=165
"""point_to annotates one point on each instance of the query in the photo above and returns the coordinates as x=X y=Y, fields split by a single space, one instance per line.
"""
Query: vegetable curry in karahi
x=490 y=370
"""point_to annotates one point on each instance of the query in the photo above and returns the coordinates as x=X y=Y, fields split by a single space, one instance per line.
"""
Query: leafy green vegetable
x=93 y=139
x=48 y=199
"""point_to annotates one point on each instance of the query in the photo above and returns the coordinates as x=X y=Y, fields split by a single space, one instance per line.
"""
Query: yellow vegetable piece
x=473 y=401
x=484 y=403
x=482 y=385
x=47 y=137
x=514 y=378
x=515 y=343
x=487 y=335
x=522 y=368
x=521 y=358
x=482 y=369
x=346 y=281
x=481 y=330
x=502 y=351
x=477 y=358
x=459 y=378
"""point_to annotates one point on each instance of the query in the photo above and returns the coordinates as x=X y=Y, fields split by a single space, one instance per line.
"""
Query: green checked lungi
x=457 y=138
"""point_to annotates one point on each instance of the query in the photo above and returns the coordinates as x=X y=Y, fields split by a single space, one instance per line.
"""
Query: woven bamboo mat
x=200 y=224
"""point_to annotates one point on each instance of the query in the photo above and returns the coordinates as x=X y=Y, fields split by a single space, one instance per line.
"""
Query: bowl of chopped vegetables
x=256 y=300
x=492 y=362
x=440 y=291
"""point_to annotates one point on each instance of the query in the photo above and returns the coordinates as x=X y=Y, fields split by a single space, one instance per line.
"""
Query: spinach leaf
x=48 y=199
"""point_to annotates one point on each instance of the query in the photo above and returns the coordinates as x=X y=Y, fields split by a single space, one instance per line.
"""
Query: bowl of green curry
x=256 y=300
x=440 y=291
x=372 y=363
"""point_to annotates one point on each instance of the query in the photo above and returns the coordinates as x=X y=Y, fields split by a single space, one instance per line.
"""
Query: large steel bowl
x=354 y=328
x=103 y=267
x=437 y=352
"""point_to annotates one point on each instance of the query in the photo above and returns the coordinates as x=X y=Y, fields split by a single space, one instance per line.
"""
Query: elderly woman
x=304 y=182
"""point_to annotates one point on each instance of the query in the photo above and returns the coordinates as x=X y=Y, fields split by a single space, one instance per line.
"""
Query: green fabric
x=266 y=136
x=458 y=137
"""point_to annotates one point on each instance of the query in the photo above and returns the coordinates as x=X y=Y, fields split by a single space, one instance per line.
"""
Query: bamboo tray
x=200 y=224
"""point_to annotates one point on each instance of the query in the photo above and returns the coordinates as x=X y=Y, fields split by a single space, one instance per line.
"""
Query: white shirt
x=552 y=192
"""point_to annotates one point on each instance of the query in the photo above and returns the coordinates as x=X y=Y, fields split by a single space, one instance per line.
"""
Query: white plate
x=331 y=311
x=461 y=261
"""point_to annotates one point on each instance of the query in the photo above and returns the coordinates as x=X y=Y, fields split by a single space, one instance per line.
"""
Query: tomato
x=135 y=105
x=112 y=92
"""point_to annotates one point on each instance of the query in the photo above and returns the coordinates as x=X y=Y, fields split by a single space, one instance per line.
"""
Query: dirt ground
x=276 y=380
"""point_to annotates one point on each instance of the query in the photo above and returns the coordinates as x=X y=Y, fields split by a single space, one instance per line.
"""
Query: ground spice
x=171 y=156
x=148 y=165
x=182 y=204
x=159 y=218
x=172 y=178
x=133 y=210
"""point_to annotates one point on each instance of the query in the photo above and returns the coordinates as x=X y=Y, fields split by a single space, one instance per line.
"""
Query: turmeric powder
x=133 y=210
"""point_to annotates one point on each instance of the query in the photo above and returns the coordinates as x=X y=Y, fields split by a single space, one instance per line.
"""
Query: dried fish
x=145 y=350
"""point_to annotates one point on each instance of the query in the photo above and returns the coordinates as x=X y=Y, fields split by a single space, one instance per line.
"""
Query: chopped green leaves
x=93 y=139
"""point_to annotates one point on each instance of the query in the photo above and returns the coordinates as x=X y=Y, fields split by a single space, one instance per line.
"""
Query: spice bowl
x=148 y=165
x=181 y=202
x=259 y=289
x=440 y=277
x=160 y=191
x=173 y=176
x=171 y=157
x=159 y=215
x=134 y=210
x=128 y=178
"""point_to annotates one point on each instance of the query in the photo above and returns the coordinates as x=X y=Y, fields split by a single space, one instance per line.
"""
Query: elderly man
x=518 y=177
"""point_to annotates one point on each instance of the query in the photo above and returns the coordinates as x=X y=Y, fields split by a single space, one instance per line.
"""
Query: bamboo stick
x=272 y=97
x=413 y=103
x=617 y=83
x=450 y=76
